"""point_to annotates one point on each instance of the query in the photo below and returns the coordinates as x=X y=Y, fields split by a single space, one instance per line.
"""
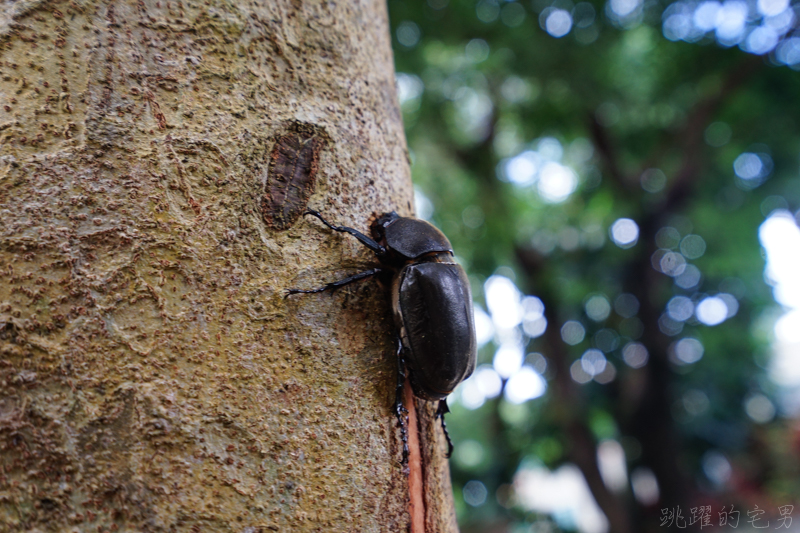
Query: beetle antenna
x=366 y=241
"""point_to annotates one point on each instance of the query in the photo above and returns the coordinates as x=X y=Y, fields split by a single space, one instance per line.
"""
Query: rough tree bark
x=154 y=156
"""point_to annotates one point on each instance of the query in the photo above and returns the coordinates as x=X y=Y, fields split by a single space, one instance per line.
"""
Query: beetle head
x=378 y=227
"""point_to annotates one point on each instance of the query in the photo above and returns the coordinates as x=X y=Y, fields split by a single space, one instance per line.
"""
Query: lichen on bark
x=152 y=376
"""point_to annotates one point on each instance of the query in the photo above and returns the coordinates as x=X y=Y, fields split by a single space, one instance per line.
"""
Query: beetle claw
x=402 y=417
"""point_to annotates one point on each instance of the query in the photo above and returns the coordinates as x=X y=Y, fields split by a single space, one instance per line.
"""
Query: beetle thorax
x=408 y=239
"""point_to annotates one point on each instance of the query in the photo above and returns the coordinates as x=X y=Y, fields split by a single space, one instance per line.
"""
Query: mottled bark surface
x=152 y=376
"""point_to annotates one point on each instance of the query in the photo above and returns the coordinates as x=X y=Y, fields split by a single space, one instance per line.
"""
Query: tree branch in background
x=691 y=136
x=604 y=146
x=650 y=419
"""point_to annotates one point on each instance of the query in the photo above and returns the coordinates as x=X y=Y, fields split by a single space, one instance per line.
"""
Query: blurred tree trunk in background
x=153 y=376
x=644 y=397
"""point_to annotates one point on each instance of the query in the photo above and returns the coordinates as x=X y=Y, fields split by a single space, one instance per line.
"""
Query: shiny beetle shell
x=432 y=305
x=409 y=238
x=433 y=310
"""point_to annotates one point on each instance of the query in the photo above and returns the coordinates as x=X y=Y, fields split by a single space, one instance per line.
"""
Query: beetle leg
x=400 y=410
x=366 y=241
x=336 y=284
x=440 y=412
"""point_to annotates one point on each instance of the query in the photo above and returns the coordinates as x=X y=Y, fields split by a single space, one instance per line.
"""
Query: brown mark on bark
x=416 y=505
x=291 y=177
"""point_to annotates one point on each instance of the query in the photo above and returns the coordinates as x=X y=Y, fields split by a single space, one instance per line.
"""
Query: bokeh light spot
x=731 y=19
x=770 y=8
x=593 y=362
x=680 y=308
x=787 y=328
x=705 y=16
x=487 y=10
x=583 y=14
x=693 y=246
x=686 y=351
x=473 y=216
x=759 y=408
x=573 y=332
x=550 y=149
x=523 y=168
x=524 y=385
x=677 y=26
x=469 y=453
x=788 y=51
x=773 y=203
x=488 y=381
x=624 y=8
x=562 y=494
x=607 y=375
x=597 y=307
x=513 y=14
x=761 y=40
x=556 y=182
x=780 y=236
x=484 y=329
x=422 y=205
x=408 y=34
x=606 y=340
x=672 y=264
x=533 y=320
x=716 y=468
x=558 y=23
x=689 y=279
x=731 y=303
x=508 y=359
x=782 y=22
x=695 y=402
x=475 y=493
x=626 y=305
x=503 y=301
x=612 y=464
x=515 y=90
x=409 y=87
x=668 y=238
x=624 y=232
x=668 y=326
x=748 y=166
x=653 y=180
x=477 y=50
x=712 y=311
x=635 y=355
x=470 y=395
x=645 y=486
x=578 y=374
x=537 y=361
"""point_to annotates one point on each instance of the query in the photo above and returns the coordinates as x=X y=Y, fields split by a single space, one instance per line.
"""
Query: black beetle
x=432 y=307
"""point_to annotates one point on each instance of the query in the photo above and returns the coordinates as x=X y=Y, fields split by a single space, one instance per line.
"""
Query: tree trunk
x=155 y=158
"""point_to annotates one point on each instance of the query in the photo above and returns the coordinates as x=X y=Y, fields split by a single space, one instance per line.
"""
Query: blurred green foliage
x=647 y=127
